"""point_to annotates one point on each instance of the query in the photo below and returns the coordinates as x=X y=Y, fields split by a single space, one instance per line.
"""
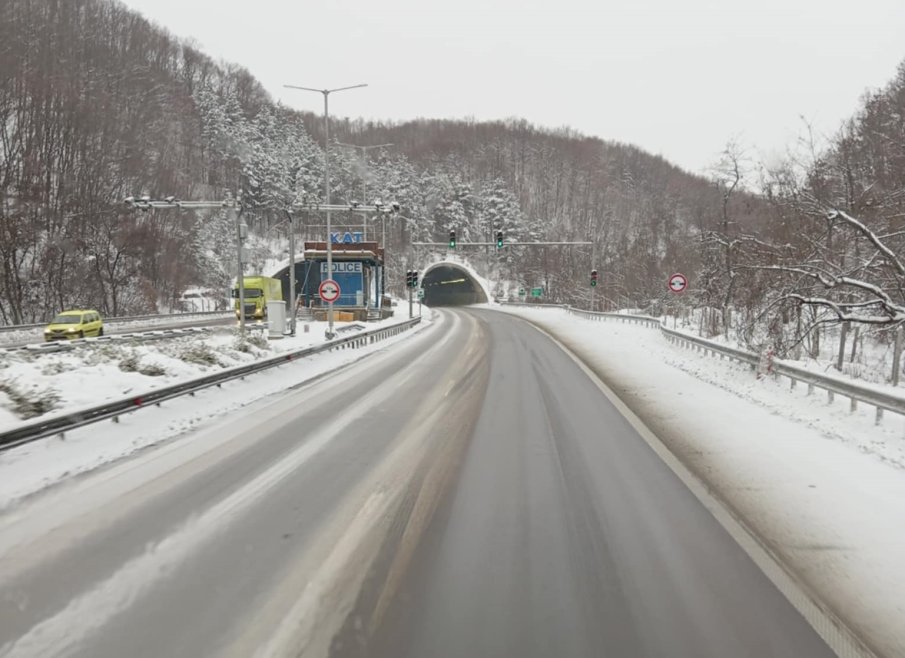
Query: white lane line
x=62 y=633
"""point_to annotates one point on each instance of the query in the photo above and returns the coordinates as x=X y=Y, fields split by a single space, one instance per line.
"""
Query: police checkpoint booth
x=358 y=268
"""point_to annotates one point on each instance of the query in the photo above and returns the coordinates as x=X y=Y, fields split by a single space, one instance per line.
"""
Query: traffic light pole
x=411 y=310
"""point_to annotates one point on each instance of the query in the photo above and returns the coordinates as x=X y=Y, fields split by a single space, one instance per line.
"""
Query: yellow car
x=74 y=324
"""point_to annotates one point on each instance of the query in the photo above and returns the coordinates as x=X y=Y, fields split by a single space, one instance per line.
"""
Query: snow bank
x=100 y=372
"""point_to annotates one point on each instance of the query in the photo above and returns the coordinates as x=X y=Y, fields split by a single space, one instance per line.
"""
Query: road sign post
x=677 y=284
x=593 y=289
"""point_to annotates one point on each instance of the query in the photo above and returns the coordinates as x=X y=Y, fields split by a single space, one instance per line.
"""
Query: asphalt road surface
x=469 y=492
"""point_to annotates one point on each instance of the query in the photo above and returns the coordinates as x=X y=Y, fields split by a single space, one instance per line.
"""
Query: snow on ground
x=36 y=335
x=34 y=383
x=29 y=468
x=872 y=360
x=823 y=488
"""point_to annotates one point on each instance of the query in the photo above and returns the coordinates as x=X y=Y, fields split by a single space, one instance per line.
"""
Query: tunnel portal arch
x=452 y=284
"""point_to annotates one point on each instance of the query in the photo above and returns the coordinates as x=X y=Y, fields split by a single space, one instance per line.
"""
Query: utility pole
x=241 y=233
x=326 y=92
x=292 y=295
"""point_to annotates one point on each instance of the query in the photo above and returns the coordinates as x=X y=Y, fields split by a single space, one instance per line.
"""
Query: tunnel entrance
x=448 y=285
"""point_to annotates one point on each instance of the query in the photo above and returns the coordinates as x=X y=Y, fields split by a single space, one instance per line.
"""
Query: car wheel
x=100 y=332
x=81 y=334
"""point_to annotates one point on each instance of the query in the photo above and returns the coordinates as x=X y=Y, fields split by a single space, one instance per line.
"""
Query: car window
x=67 y=318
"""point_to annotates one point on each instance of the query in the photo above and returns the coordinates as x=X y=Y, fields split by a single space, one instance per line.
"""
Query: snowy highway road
x=470 y=491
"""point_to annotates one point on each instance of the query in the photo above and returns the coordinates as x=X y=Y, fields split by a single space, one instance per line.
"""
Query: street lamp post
x=292 y=308
x=326 y=93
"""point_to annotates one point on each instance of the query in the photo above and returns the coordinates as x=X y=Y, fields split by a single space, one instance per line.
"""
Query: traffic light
x=499 y=239
x=408 y=279
x=452 y=239
x=414 y=278
x=593 y=278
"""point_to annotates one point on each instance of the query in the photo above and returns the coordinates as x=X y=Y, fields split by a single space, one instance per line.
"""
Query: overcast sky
x=675 y=77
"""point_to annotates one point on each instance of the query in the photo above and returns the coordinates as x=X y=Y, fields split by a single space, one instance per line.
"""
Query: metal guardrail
x=151 y=335
x=880 y=400
x=124 y=319
x=61 y=423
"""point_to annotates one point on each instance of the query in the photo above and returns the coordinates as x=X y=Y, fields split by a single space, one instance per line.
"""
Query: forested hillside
x=101 y=104
x=97 y=104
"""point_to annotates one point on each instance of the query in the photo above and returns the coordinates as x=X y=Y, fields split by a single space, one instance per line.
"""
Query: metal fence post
x=897 y=357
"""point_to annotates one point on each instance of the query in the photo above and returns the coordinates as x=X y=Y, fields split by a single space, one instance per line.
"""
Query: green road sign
x=537 y=292
x=521 y=292
x=420 y=293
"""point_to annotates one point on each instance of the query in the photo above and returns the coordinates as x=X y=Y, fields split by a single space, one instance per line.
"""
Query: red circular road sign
x=329 y=290
x=677 y=282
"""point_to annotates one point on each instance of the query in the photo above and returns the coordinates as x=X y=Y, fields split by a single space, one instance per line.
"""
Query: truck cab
x=258 y=291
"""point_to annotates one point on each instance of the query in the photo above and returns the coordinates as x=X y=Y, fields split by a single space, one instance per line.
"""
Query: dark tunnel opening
x=448 y=285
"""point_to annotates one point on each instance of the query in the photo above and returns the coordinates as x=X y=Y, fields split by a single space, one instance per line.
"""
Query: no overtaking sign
x=678 y=283
x=329 y=290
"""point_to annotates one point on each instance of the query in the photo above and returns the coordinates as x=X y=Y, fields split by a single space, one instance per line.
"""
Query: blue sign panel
x=350 y=277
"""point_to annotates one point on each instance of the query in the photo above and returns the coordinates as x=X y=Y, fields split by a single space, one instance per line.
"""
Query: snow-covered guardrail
x=857 y=393
x=128 y=318
x=51 y=425
x=132 y=337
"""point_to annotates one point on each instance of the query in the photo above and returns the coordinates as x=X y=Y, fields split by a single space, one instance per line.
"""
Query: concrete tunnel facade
x=448 y=284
